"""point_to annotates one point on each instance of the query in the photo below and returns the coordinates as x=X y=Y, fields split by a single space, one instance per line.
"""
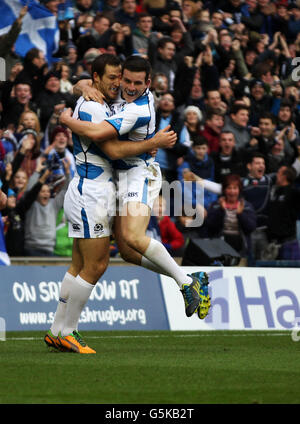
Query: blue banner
x=125 y=298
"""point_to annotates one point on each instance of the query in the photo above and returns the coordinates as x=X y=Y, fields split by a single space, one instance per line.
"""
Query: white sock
x=66 y=287
x=160 y=257
x=145 y=263
x=80 y=294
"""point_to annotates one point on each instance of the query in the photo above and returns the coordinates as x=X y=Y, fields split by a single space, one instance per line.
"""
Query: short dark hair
x=290 y=174
x=256 y=155
x=144 y=15
x=137 y=63
x=286 y=103
x=227 y=132
x=268 y=115
x=163 y=41
x=32 y=54
x=231 y=179
x=211 y=112
x=237 y=107
x=102 y=60
x=199 y=140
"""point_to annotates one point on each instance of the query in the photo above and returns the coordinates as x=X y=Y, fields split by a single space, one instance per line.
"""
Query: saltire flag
x=39 y=27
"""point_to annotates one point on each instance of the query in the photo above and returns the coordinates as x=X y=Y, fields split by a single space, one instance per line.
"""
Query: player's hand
x=65 y=116
x=91 y=93
x=165 y=139
x=241 y=205
x=153 y=152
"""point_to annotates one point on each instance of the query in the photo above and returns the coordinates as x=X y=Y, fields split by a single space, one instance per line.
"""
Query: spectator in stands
x=171 y=237
x=14 y=216
x=163 y=59
x=15 y=102
x=159 y=86
x=182 y=39
x=142 y=35
x=197 y=162
x=260 y=101
x=65 y=78
x=35 y=67
x=213 y=101
x=40 y=219
x=237 y=124
x=283 y=210
x=276 y=157
x=192 y=125
x=127 y=13
x=265 y=137
x=227 y=160
x=24 y=158
x=72 y=58
x=214 y=123
x=19 y=183
x=51 y=96
x=226 y=91
x=167 y=115
x=56 y=153
x=32 y=150
x=97 y=36
x=231 y=216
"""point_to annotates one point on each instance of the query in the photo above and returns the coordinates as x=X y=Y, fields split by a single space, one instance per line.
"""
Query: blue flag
x=39 y=27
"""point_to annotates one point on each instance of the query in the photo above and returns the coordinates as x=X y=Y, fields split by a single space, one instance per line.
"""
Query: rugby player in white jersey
x=139 y=182
x=89 y=206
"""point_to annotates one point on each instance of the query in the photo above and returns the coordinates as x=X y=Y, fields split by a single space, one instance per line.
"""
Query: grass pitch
x=220 y=367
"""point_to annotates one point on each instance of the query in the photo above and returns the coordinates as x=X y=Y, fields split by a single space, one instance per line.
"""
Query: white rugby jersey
x=134 y=121
x=90 y=161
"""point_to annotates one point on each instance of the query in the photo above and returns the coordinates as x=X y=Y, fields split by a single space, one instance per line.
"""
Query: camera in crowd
x=55 y=164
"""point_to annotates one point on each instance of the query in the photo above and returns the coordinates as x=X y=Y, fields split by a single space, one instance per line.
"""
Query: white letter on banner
x=18 y=292
x=124 y=289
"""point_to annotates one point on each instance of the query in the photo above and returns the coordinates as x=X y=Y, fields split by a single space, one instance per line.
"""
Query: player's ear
x=95 y=77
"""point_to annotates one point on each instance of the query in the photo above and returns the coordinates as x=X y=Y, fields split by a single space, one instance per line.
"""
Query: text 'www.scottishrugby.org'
x=109 y=316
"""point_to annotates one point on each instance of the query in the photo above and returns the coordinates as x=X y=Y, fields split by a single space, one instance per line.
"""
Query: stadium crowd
x=225 y=77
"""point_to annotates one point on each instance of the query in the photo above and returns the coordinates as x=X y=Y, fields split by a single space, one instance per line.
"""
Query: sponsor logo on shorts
x=76 y=227
x=132 y=194
x=98 y=228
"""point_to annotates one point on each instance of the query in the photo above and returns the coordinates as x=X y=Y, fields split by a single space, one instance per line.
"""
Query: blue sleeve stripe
x=84 y=116
x=141 y=122
x=116 y=123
